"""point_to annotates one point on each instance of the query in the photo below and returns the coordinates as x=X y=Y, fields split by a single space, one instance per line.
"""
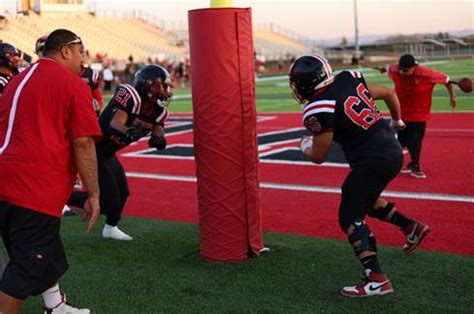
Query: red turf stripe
x=311 y=214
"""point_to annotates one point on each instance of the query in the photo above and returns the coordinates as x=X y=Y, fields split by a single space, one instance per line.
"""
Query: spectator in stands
x=108 y=77
x=414 y=87
x=354 y=60
x=37 y=179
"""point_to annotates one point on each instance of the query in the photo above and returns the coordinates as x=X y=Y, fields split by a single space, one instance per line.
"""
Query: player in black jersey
x=10 y=58
x=92 y=79
x=133 y=112
x=341 y=108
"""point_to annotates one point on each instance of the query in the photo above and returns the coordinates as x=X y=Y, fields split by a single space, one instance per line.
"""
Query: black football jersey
x=347 y=109
x=126 y=98
x=90 y=77
x=4 y=80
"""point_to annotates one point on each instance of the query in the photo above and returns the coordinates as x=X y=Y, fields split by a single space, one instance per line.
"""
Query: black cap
x=407 y=61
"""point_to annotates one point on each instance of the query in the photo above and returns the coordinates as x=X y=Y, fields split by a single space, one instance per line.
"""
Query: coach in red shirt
x=414 y=87
x=47 y=131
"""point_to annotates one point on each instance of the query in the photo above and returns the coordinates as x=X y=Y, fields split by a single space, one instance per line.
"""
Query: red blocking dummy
x=225 y=140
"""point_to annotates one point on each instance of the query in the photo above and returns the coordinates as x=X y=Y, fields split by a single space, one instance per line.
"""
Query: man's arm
x=452 y=94
x=86 y=162
x=316 y=148
x=118 y=121
x=390 y=98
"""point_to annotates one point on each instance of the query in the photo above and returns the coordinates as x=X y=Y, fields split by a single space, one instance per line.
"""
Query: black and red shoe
x=415 y=233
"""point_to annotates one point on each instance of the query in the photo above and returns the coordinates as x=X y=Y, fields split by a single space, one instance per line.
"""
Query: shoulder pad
x=126 y=94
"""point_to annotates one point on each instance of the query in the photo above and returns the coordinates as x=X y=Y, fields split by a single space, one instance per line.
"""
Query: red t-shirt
x=415 y=91
x=41 y=111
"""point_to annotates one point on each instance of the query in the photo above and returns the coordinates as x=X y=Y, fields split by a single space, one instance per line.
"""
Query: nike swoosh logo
x=412 y=237
x=376 y=287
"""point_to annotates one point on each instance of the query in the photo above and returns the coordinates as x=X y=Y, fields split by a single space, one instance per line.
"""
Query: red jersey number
x=122 y=97
x=361 y=110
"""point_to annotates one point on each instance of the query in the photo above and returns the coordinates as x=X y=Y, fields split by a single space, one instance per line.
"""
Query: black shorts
x=363 y=186
x=37 y=258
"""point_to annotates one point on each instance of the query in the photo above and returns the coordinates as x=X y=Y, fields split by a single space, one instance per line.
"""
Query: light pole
x=357 y=48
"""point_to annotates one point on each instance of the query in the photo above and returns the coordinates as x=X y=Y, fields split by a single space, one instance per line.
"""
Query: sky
x=328 y=19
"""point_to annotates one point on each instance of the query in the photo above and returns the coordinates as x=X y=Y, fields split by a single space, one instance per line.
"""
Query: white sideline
x=317 y=189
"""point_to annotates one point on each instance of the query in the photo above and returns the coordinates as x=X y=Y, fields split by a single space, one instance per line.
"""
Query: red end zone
x=302 y=198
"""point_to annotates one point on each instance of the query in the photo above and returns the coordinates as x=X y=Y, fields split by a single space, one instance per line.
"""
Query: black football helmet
x=10 y=57
x=39 y=46
x=309 y=73
x=153 y=82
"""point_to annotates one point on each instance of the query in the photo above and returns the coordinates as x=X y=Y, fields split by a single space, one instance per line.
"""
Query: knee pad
x=362 y=238
x=382 y=212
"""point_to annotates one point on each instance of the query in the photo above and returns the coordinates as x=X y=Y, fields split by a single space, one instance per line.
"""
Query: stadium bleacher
x=120 y=38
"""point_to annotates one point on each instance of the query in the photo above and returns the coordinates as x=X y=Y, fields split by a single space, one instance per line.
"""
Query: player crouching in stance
x=133 y=112
x=341 y=108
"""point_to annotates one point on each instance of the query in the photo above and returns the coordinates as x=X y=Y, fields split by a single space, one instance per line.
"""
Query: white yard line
x=317 y=189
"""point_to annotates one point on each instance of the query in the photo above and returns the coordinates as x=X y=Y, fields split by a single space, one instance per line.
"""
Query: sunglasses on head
x=76 y=40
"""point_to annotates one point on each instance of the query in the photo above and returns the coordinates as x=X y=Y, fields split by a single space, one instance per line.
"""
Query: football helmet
x=153 y=82
x=309 y=73
x=10 y=57
x=39 y=47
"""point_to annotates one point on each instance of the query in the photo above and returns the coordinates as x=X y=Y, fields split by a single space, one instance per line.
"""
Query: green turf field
x=275 y=95
x=160 y=272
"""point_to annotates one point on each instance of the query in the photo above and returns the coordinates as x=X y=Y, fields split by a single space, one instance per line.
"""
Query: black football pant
x=113 y=190
x=412 y=138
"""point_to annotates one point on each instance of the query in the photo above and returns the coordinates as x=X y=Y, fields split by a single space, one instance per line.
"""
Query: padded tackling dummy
x=225 y=140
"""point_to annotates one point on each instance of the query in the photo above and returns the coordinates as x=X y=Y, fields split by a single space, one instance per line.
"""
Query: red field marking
x=310 y=214
x=448 y=159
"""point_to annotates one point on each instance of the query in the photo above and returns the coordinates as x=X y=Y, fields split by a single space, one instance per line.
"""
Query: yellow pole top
x=221 y=3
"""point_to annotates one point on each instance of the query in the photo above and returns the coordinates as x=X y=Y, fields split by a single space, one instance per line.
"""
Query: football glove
x=158 y=142
x=306 y=143
x=134 y=133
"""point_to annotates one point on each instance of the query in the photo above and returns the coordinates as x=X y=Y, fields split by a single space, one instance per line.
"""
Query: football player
x=132 y=113
x=341 y=108
x=10 y=58
x=91 y=78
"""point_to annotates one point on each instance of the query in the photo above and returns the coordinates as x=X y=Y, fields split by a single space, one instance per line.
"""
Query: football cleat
x=65 y=308
x=373 y=284
x=67 y=211
x=407 y=169
x=113 y=232
x=415 y=234
x=416 y=172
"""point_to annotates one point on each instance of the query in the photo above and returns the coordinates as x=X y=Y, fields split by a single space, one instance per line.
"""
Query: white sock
x=52 y=297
